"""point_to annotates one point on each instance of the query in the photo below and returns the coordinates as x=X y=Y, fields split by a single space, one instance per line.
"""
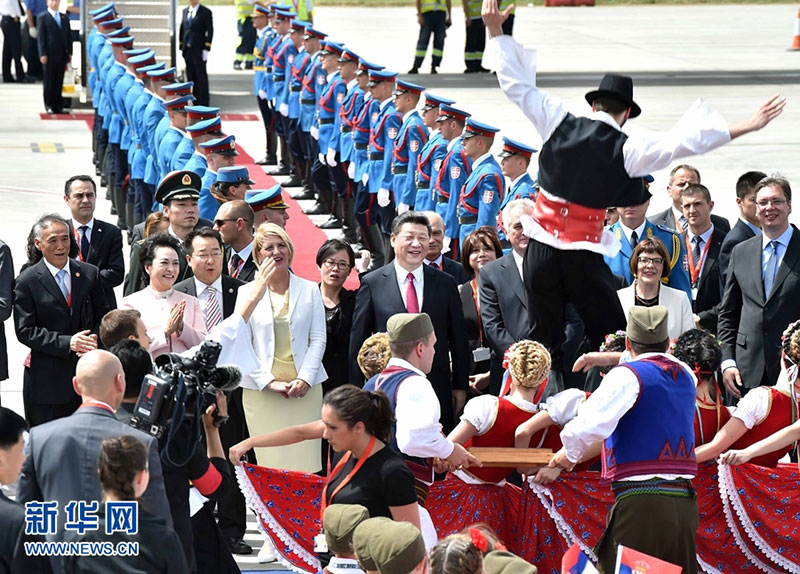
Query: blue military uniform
x=679 y=276
x=453 y=172
x=383 y=132
x=412 y=136
x=480 y=198
x=427 y=164
x=368 y=109
x=225 y=146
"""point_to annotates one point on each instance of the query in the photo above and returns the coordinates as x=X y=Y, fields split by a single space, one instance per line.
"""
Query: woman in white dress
x=287 y=330
x=649 y=266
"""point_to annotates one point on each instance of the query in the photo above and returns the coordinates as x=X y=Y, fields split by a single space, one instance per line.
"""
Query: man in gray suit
x=680 y=178
x=62 y=455
x=502 y=295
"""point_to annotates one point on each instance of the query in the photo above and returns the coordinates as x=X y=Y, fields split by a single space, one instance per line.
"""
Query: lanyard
x=474 y=285
x=695 y=273
x=347 y=478
x=96 y=403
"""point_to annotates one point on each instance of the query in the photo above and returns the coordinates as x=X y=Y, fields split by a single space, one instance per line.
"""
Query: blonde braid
x=791 y=342
x=456 y=554
x=529 y=363
x=374 y=355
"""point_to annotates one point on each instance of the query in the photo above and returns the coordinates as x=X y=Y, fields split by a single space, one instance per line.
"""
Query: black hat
x=616 y=87
x=179 y=185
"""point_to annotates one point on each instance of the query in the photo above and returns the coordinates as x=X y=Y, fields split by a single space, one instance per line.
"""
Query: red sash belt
x=569 y=221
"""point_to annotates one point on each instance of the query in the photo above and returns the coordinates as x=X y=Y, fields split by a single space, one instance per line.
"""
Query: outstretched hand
x=493 y=18
x=767 y=112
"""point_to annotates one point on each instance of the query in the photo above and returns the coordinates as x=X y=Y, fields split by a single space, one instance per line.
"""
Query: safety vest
x=505 y=3
x=474 y=8
x=432 y=6
x=301 y=7
x=243 y=9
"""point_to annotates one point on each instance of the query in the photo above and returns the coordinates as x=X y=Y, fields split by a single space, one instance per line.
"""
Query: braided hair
x=700 y=350
x=790 y=343
x=374 y=355
x=529 y=363
x=121 y=458
x=458 y=554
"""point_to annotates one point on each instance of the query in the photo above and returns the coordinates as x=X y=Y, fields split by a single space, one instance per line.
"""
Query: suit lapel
x=80 y=287
x=789 y=260
x=294 y=292
x=391 y=290
x=96 y=239
x=711 y=256
x=511 y=275
x=49 y=283
x=228 y=297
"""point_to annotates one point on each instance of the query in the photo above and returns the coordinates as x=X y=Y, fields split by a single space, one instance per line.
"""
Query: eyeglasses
x=655 y=261
x=341 y=265
x=774 y=202
x=212 y=255
x=221 y=222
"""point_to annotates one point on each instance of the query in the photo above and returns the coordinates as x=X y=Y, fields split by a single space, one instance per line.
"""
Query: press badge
x=319 y=543
x=481 y=354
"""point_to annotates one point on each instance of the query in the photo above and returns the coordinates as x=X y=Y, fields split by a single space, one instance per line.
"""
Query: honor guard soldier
x=296 y=71
x=483 y=191
x=514 y=161
x=281 y=66
x=195 y=115
x=268 y=206
x=412 y=136
x=427 y=167
x=313 y=80
x=202 y=132
x=219 y=152
x=453 y=173
x=176 y=109
x=264 y=33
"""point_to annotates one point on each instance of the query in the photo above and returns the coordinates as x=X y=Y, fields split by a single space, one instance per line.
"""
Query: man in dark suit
x=234 y=221
x=55 y=52
x=673 y=218
x=703 y=242
x=196 y=33
x=61 y=462
x=6 y=303
x=760 y=297
x=99 y=243
x=58 y=305
x=406 y=285
x=217 y=295
x=504 y=307
x=748 y=225
x=13 y=557
x=435 y=258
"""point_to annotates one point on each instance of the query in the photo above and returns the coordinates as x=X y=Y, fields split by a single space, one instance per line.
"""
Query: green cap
x=397 y=548
x=362 y=536
x=647 y=325
x=502 y=562
x=404 y=327
x=339 y=521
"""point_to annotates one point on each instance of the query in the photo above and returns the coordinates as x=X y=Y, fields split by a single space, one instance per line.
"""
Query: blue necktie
x=61 y=279
x=57 y=18
x=771 y=269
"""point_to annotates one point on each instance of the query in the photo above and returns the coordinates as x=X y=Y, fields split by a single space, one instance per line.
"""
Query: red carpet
x=306 y=237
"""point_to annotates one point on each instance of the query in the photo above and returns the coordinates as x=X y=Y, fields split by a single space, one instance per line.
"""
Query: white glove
x=33 y=32
x=322 y=159
x=314 y=131
x=383 y=197
x=365 y=178
x=284 y=110
x=351 y=170
x=331 y=157
x=402 y=208
x=205 y=55
x=446 y=244
x=262 y=94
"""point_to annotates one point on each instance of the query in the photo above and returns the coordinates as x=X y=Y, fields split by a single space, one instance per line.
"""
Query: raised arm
x=726 y=436
x=773 y=442
x=283 y=437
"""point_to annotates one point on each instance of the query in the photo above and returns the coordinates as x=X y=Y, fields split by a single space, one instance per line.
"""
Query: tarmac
x=733 y=56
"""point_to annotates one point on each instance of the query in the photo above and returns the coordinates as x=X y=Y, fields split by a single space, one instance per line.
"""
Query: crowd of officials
x=451 y=278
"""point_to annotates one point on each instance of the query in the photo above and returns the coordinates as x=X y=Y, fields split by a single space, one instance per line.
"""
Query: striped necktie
x=212 y=312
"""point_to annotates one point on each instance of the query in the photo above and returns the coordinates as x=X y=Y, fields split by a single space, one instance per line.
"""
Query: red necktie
x=412 y=303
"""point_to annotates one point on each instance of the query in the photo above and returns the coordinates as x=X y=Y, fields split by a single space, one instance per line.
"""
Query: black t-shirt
x=383 y=481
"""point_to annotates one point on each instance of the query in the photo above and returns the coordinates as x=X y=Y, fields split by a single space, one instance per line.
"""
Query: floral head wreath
x=610 y=338
x=789 y=364
x=478 y=539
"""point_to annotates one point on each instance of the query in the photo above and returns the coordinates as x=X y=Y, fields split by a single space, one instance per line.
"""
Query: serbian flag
x=576 y=562
x=630 y=561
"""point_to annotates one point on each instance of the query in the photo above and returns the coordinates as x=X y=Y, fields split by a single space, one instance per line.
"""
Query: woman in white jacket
x=649 y=268
x=287 y=329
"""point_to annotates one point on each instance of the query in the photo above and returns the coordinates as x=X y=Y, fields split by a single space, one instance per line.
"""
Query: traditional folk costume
x=585 y=165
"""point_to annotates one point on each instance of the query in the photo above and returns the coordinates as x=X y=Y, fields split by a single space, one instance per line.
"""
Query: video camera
x=182 y=389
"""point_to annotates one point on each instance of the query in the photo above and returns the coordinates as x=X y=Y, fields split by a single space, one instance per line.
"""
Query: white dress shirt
x=705 y=237
x=202 y=293
x=478 y=161
x=402 y=282
x=417 y=411
x=518 y=259
x=754 y=228
x=54 y=271
x=90 y=227
x=599 y=415
x=627 y=231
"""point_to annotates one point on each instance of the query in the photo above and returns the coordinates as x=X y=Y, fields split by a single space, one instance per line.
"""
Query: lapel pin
x=230 y=289
x=77 y=274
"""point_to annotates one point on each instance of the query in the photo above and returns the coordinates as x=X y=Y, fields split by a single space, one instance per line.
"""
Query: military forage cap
x=647 y=325
x=339 y=522
x=404 y=327
x=397 y=548
x=179 y=185
x=501 y=562
x=362 y=538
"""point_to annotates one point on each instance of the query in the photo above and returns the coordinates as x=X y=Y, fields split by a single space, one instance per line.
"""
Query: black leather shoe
x=317 y=209
x=483 y=70
x=248 y=65
x=293 y=181
x=306 y=194
x=238 y=546
x=332 y=223
x=237 y=65
x=279 y=171
x=413 y=70
x=433 y=70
